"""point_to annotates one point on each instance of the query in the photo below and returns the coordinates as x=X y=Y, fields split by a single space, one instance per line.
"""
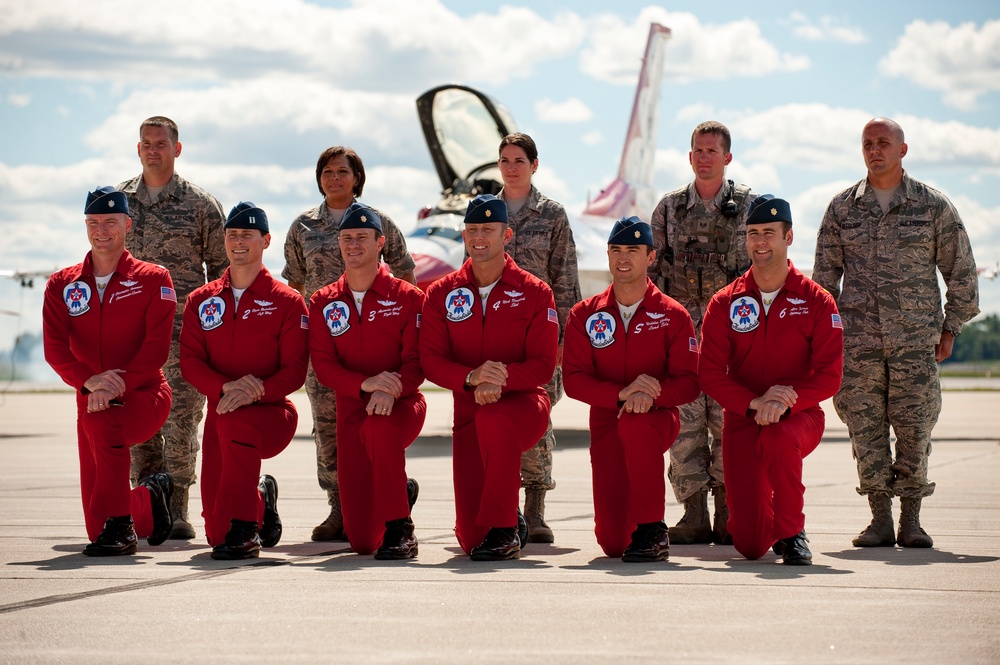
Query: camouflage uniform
x=891 y=308
x=312 y=258
x=543 y=246
x=182 y=231
x=699 y=251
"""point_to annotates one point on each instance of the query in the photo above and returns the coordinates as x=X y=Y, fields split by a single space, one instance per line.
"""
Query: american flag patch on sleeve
x=304 y=322
x=836 y=321
x=692 y=345
x=167 y=293
x=553 y=317
x=418 y=320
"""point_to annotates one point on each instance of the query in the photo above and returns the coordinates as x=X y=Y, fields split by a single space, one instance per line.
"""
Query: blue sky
x=261 y=87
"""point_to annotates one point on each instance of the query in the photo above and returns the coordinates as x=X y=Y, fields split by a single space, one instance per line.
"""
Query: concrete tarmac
x=305 y=602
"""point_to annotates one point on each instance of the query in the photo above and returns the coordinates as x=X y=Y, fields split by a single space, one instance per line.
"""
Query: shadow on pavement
x=898 y=556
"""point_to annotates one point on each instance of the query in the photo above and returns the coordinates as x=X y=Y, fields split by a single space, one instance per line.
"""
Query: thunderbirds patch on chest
x=601 y=330
x=458 y=304
x=77 y=298
x=210 y=312
x=337 y=316
x=744 y=312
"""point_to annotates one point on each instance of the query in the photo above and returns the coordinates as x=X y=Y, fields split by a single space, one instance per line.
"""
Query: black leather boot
x=161 y=493
x=650 y=542
x=242 y=542
x=500 y=544
x=270 y=532
x=398 y=541
x=412 y=491
x=117 y=538
x=794 y=550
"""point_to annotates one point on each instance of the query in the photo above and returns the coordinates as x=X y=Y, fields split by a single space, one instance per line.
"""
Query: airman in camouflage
x=700 y=238
x=178 y=225
x=543 y=246
x=887 y=237
x=313 y=260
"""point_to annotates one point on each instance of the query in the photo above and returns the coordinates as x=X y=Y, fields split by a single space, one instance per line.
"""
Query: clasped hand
x=639 y=396
x=102 y=388
x=772 y=405
x=241 y=392
x=385 y=388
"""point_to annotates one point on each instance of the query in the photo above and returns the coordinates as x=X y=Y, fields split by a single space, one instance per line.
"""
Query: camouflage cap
x=631 y=231
x=766 y=208
x=106 y=201
x=246 y=215
x=360 y=216
x=486 y=208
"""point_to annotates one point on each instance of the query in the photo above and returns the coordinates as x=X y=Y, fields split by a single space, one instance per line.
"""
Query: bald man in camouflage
x=888 y=236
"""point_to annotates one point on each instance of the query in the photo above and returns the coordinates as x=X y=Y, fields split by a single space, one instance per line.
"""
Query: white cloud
x=694 y=50
x=18 y=99
x=763 y=177
x=825 y=138
x=594 y=137
x=813 y=136
x=232 y=39
x=570 y=110
x=981 y=223
x=961 y=61
x=829 y=29
x=950 y=143
x=238 y=119
x=671 y=168
x=695 y=113
x=554 y=187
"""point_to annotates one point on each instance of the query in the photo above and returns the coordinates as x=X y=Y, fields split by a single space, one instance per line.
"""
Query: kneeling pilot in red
x=631 y=353
x=244 y=345
x=106 y=325
x=489 y=333
x=772 y=349
x=363 y=344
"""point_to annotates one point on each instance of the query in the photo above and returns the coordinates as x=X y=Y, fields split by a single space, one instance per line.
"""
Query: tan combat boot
x=879 y=532
x=534 y=515
x=181 y=529
x=332 y=528
x=694 y=527
x=720 y=528
x=910 y=532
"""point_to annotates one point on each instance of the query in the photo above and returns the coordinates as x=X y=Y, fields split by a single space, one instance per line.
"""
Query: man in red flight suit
x=244 y=345
x=363 y=345
x=631 y=353
x=772 y=350
x=107 y=325
x=489 y=334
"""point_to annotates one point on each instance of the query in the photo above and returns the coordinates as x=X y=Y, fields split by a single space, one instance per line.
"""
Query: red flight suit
x=83 y=337
x=744 y=352
x=521 y=330
x=346 y=348
x=266 y=336
x=626 y=453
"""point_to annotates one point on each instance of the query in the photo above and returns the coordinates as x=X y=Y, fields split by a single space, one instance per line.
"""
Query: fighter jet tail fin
x=632 y=192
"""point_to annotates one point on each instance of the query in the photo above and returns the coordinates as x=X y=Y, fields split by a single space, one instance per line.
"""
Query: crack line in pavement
x=135 y=586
